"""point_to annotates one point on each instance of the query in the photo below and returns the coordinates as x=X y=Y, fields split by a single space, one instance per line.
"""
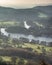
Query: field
x=15 y=53
x=37 y=47
x=33 y=51
x=9 y=23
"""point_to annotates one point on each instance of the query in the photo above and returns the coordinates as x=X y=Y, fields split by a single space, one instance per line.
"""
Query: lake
x=30 y=37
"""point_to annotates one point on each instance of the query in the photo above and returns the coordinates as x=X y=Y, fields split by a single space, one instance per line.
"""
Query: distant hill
x=35 y=14
x=39 y=17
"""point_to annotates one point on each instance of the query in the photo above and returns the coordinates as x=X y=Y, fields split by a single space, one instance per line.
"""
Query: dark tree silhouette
x=43 y=63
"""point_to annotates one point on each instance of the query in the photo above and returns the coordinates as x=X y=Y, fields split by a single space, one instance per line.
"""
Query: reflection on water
x=30 y=37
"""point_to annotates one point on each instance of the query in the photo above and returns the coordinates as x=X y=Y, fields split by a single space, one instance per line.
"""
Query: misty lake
x=30 y=37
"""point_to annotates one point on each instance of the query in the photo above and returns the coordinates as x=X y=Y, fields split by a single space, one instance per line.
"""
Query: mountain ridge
x=11 y=14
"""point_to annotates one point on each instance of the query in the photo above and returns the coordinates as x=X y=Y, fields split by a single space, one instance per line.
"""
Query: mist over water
x=30 y=37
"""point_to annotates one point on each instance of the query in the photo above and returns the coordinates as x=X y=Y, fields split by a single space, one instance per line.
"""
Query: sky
x=24 y=3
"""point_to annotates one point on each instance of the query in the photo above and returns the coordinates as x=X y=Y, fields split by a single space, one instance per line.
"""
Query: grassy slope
x=35 y=47
x=9 y=23
x=28 y=45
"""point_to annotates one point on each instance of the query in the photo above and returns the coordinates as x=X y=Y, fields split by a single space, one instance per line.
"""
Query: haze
x=24 y=3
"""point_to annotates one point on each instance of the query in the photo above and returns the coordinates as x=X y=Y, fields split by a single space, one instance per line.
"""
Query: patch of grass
x=9 y=23
x=12 y=59
x=35 y=47
x=6 y=58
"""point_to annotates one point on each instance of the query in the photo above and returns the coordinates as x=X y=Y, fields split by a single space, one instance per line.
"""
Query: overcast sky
x=24 y=3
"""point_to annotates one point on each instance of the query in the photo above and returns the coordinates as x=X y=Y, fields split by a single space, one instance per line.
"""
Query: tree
x=43 y=51
x=13 y=60
x=30 y=63
x=2 y=62
x=21 y=62
x=43 y=63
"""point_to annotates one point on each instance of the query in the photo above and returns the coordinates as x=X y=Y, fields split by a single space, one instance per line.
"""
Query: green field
x=15 y=60
x=8 y=49
x=35 y=47
x=9 y=23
